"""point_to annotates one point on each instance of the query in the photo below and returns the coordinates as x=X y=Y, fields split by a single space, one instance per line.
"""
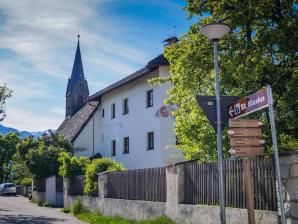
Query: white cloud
x=41 y=37
x=42 y=34
x=22 y=119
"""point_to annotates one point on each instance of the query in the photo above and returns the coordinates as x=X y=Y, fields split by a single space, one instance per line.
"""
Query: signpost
x=246 y=140
x=247 y=151
x=245 y=134
x=250 y=104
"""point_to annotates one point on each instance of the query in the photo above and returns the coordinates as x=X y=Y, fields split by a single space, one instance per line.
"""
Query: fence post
x=102 y=185
x=66 y=192
x=289 y=176
x=175 y=188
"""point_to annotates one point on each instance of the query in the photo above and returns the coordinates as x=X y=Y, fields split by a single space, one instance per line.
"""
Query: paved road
x=19 y=210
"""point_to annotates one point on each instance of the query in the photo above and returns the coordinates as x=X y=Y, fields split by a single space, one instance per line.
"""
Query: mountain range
x=23 y=134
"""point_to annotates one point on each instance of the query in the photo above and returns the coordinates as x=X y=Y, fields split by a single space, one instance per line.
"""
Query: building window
x=150 y=98
x=113 y=111
x=150 y=140
x=125 y=106
x=102 y=138
x=102 y=112
x=113 y=147
x=126 y=145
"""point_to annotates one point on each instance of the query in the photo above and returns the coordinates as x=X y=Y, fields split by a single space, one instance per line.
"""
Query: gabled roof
x=151 y=66
x=72 y=126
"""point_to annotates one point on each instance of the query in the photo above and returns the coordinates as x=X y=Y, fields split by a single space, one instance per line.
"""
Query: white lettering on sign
x=249 y=104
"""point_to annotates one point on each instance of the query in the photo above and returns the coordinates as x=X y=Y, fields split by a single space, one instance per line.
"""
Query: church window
x=102 y=112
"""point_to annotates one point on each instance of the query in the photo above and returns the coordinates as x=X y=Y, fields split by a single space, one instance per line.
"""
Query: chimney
x=170 y=40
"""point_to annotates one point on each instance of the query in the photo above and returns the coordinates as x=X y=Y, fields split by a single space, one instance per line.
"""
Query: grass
x=77 y=207
x=93 y=218
x=65 y=210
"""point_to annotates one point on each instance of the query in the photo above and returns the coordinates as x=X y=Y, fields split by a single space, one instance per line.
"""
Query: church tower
x=77 y=92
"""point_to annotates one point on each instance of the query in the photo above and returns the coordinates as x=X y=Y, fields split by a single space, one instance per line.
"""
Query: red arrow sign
x=250 y=104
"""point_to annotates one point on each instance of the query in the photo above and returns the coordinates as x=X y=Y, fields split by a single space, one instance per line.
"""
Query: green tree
x=42 y=161
x=70 y=166
x=53 y=139
x=262 y=49
x=5 y=93
x=19 y=170
x=41 y=155
x=95 y=167
x=7 y=150
x=25 y=145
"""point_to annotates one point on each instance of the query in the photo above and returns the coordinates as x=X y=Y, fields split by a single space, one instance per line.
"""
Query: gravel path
x=19 y=210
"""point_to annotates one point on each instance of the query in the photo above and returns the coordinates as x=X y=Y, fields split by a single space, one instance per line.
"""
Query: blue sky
x=38 y=42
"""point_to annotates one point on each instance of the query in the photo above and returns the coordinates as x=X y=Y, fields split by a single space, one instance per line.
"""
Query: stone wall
x=181 y=213
x=139 y=210
x=38 y=197
x=185 y=214
x=50 y=195
x=289 y=175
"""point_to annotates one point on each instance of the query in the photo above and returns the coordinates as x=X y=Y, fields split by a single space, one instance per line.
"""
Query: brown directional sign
x=245 y=137
x=245 y=132
x=249 y=104
x=244 y=141
x=244 y=123
x=247 y=151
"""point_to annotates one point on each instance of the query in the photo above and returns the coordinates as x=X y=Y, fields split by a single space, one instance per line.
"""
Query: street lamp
x=214 y=32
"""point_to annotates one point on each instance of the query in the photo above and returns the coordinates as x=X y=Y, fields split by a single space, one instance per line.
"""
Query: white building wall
x=135 y=125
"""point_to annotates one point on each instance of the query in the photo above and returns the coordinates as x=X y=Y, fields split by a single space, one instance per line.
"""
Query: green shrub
x=65 y=210
x=77 y=207
x=17 y=182
x=70 y=166
x=47 y=204
x=27 y=181
x=95 y=167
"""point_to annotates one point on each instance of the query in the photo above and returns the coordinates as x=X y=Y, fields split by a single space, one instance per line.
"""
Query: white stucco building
x=127 y=121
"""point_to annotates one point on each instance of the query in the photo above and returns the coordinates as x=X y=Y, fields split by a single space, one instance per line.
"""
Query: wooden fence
x=142 y=184
x=201 y=184
x=39 y=185
x=77 y=185
x=59 y=184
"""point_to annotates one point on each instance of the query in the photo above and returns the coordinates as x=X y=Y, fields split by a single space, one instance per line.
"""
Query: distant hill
x=23 y=134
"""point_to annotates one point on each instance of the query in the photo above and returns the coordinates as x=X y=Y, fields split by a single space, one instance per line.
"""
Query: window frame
x=113 y=148
x=149 y=98
x=125 y=107
x=126 y=143
x=113 y=110
x=150 y=140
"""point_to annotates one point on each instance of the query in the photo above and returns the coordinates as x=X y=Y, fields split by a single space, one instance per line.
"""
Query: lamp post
x=214 y=32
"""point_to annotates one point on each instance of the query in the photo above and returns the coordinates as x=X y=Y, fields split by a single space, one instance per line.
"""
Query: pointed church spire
x=77 y=92
x=77 y=69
